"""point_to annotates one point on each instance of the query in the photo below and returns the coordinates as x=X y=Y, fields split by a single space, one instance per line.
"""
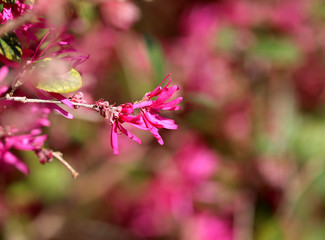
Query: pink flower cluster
x=148 y=119
x=11 y=10
x=173 y=197
x=24 y=138
x=45 y=52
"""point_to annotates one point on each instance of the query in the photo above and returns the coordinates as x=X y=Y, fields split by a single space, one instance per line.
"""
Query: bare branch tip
x=59 y=157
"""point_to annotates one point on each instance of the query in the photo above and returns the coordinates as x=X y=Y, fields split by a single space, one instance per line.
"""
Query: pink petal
x=60 y=110
x=3 y=90
x=114 y=140
x=44 y=122
x=154 y=131
x=128 y=133
x=3 y=72
x=62 y=99
x=36 y=131
x=166 y=122
x=156 y=91
x=54 y=106
x=159 y=121
x=142 y=104
x=167 y=93
x=11 y=159
x=171 y=106
x=135 y=121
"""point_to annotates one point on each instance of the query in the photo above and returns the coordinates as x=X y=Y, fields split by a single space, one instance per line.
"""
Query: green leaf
x=1 y=7
x=9 y=1
x=269 y=229
x=278 y=51
x=10 y=47
x=64 y=83
x=318 y=10
x=156 y=55
x=226 y=38
x=308 y=142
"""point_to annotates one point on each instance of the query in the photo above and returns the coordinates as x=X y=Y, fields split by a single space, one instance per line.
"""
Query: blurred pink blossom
x=206 y=226
x=166 y=203
x=27 y=142
x=21 y=136
x=120 y=14
x=203 y=71
x=196 y=162
x=236 y=124
x=309 y=83
x=12 y=10
x=289 y=15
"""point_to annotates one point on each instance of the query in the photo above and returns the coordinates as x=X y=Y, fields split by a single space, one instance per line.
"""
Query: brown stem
x=58 y=156
x=31 y=100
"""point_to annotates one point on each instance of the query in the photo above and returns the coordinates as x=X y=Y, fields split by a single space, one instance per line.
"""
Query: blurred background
x=247 y=161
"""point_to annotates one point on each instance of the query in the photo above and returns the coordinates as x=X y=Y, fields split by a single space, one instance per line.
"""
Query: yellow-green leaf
x=63 y=83
x=10 y=47
x=9 y=1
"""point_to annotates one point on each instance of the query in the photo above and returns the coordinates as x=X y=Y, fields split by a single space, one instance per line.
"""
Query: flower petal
x=114 y=139
x=171 y=105
x=3 y=72
x=153 y=130
x=128 y=133
x=11 y=159
x=54 y=106
x=166 y=93
x=62 y=99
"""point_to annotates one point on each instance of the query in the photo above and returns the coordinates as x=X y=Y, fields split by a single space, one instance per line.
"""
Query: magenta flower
x=150 y=109
x=148 y=119
x=116 y=121
x=26 y=142
x=195 y=161
x=17 y=136
x=3 y=74
x=120 y=14
x=205 y=226
x=12 y=10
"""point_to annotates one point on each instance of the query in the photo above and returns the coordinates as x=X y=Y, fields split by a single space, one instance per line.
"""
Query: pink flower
x=166 y=202
x=206 y=226
x=3 y=74
x=12 y=10
x=21 y=136
x=116 y=128
x=195 y=161
x=150 y=109
x=148 y=119
x=120 y=14
x=26 y=142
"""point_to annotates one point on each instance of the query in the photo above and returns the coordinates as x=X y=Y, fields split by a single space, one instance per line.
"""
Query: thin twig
x=59 y=157
x=32 y=100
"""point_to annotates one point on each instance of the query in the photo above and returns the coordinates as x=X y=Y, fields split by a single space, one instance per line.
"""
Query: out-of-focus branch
x=13 y=24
